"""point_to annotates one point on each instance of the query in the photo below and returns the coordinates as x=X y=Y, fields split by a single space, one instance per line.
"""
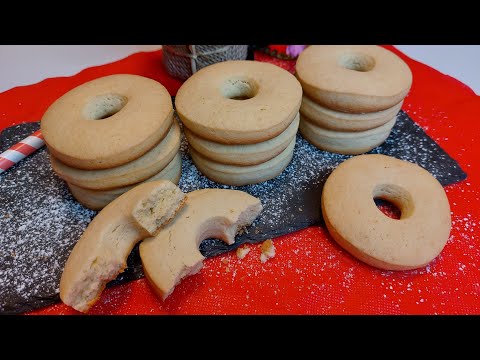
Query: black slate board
x=40 y=221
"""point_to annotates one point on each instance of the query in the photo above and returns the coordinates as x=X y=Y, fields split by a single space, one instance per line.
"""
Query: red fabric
x=288 y=65
x=310 y=273
x=279 y=48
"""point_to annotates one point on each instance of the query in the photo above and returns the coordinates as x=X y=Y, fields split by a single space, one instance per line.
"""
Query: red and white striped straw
x=21 y=150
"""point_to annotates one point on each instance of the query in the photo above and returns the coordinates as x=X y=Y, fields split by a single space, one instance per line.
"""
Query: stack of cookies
x=352 y=94
x=110 y=134
x=240 y=119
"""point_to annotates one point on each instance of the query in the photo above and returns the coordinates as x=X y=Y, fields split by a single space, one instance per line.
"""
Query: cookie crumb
x=225 y=261
x=268 y=250
x=242 y=252
x=227 y=269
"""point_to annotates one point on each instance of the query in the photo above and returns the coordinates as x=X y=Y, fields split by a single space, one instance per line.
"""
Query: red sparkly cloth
x=288 y=65
x=310 y=273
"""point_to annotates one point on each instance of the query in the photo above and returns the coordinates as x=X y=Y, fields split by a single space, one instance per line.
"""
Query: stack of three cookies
x=352 y=94
x=240 y=119
x=110 y=134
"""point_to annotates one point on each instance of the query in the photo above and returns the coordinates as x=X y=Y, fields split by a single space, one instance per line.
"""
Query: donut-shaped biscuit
x=341 y=121
x=243 y=175
x=108 y=121
x=98 y=199
x=101 y=253
x=239 y=102
x=174 y=254
x=353 y=78
x=249 y=154
x=130 y=173
x=342 y=142
x=355 y=222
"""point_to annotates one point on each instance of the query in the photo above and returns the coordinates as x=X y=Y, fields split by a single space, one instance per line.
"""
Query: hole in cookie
x=104 y=106
x=357 y=62
x=393 y=201
x=387 y=208
x=239 y=89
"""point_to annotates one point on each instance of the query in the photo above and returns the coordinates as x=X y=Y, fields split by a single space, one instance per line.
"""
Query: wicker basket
x=182 y=61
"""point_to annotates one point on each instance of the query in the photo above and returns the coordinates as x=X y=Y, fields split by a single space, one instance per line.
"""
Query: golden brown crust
x=268 y=250
x=343 y=142
x=355 y=222
x=126 y=174
x=243 y=175
x=341 y=121
x=242 y=252
x=174 y=252
x=249 y=154
x=205 y=102
x=98 y=199
x=101 y=252
x=353 y=78
x=75 y=132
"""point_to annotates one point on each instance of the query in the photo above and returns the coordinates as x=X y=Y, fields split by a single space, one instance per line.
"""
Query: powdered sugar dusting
x=40 y=221
x=39 y=227
x=292 y=200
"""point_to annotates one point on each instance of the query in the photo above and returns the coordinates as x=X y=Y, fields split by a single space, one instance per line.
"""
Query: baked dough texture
x=244 y=175
x=342 y=121
x=353 y=78
x=108 y=121
x=173 y=253
x=343 y=142
x=239 y=102
x=98 y=199
x=240 y=117
x=356 y=224
x=126 y=174
x=352 y=95
x=248 y=154
x=101 y=252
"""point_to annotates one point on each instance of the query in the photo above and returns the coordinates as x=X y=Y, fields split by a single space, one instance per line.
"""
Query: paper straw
x=21 y=150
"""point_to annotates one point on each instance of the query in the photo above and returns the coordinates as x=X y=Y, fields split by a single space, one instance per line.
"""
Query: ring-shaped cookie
x=249 y=154
x=133 y=172
x=356 y=223
x=353 y=78
x=239 y=102
x=98 y=199
x=243 y=175
x=174 y=253
x=341 y=121
x=101 y=253
x=343 y=142
x=108 y=121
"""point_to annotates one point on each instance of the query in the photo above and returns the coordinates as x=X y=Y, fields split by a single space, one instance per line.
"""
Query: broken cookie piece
x=268 y=250
x=174 y=252
x=242 y=252
x=101 y=252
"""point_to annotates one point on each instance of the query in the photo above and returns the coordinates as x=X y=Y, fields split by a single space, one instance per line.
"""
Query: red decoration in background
x=310 y=273
x=279 y=48
x=288 y=65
